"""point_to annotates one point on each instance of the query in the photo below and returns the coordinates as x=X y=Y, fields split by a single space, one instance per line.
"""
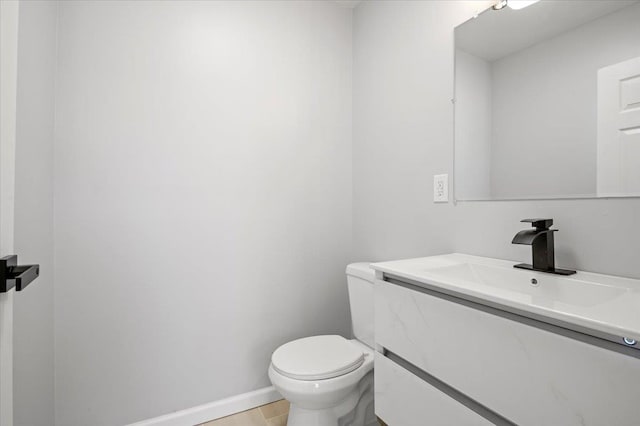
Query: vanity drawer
x=403 y=399
x=526 y=374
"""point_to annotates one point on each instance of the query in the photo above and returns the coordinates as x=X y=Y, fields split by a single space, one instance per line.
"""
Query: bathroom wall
x=202 y=198
x=565 y=130
x=33 y=307
x=403 y=135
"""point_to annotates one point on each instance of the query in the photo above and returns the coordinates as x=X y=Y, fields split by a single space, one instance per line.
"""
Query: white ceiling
x=497 y=33
x=347 y=3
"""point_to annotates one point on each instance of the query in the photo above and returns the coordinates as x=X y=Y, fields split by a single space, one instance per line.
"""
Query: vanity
x=546 y=104
x=466 y=340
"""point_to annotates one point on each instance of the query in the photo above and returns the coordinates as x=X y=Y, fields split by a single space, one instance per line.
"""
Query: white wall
x=403 y=125
x=203 y=198
x=473 y=132
x=403 y=82
x=544 y=139
x=33 y=310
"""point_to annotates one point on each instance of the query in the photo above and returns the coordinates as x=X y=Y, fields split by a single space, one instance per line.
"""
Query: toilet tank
x=360 y=279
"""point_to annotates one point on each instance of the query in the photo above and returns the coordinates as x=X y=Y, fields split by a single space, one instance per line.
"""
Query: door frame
x=9 y=15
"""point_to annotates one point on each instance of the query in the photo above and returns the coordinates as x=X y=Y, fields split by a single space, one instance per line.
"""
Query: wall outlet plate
x=441 y=188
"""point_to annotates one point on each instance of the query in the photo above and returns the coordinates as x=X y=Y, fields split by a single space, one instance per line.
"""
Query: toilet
x=328 y=379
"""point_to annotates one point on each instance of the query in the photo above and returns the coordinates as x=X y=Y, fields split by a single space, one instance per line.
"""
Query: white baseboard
x=215 y=410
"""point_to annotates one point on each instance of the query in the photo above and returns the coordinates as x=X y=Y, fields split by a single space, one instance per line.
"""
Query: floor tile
x=274 y=414
x=275 y=409
x=246 y=418
x=278 y=421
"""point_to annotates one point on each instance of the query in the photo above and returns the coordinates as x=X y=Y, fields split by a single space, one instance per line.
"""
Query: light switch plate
x=441 y=188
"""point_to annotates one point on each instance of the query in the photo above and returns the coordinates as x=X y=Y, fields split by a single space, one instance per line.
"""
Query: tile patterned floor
x=274 y=414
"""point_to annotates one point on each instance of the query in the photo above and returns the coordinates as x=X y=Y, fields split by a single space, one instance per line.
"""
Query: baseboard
x=215 y=410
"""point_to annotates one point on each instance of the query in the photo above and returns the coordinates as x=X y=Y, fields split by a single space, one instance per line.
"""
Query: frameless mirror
x=547 y=101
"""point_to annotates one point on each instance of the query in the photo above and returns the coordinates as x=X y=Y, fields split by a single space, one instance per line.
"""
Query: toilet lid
x=317 y=358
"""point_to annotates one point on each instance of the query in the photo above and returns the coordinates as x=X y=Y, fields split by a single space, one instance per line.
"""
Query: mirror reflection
x=547 y=101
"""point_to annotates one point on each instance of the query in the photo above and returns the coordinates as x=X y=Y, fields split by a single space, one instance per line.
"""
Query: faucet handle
x=540 y=224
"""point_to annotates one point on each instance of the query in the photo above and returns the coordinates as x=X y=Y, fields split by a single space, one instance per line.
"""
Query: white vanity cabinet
x=523 y=371
x=402 y=398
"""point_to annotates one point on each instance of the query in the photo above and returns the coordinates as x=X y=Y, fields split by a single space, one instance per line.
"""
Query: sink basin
x=605 y=304
x=538 y=289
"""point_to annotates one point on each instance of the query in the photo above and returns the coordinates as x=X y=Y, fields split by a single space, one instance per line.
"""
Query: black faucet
x=541 y=242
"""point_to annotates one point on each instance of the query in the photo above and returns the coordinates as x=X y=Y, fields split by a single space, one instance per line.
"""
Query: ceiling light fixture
x=500 y=4
x=520 y=4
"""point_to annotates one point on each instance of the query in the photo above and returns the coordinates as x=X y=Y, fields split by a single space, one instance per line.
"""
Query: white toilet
x=328 y=379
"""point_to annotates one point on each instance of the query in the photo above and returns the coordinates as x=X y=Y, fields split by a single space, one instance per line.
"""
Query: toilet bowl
x=328 y=379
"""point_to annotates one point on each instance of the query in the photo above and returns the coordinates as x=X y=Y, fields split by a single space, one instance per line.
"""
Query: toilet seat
x=317 y=358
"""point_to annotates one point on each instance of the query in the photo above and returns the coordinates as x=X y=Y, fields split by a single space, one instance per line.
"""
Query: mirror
x=547 y=101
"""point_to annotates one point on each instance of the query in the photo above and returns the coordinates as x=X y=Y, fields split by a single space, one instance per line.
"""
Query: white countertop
x=603 y=303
